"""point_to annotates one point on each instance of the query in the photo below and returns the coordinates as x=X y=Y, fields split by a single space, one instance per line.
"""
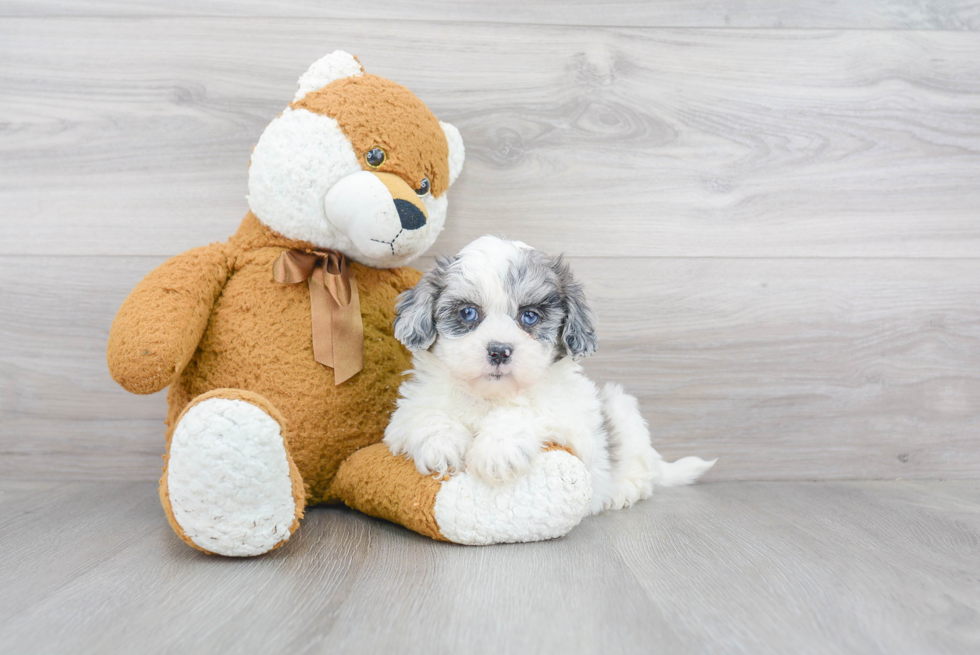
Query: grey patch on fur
x=534 y=285
x=458 y=292
x=447 y=318
x=614 y=441
x=578 y=331
x=415 y=323
x=534 y=282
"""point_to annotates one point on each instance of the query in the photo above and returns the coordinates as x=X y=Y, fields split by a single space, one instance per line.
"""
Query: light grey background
x=774 y=206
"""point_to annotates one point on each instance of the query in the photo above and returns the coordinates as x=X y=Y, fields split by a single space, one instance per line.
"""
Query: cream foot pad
x=228 y=478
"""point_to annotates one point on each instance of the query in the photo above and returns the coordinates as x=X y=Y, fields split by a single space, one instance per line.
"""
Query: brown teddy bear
x=278 y=347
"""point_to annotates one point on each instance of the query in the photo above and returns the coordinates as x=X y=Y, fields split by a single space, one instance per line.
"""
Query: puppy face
x=497 y=315
x=357 y=164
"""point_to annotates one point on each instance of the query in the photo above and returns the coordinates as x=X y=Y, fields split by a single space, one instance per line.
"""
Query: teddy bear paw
x=228 y=479
x=544 y=503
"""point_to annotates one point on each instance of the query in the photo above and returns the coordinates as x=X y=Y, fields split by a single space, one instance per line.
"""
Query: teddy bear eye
x=375 y=157
x=423 y=190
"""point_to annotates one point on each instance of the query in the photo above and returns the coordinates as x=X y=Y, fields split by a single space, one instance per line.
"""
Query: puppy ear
x=415 y=324
x=457 y=153
x=578 y=330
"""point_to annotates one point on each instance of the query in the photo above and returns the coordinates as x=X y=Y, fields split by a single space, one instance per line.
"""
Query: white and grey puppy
x=496 y=332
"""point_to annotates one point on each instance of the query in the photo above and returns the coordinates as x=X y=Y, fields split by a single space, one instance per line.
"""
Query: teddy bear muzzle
x=379 y=212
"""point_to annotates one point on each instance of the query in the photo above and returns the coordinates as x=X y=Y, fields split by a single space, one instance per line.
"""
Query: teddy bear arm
x=158 y=327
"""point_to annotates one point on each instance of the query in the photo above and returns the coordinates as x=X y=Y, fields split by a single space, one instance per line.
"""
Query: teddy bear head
x=356 y=164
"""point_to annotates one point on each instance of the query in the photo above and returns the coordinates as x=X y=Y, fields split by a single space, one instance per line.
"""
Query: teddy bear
x=278 y=345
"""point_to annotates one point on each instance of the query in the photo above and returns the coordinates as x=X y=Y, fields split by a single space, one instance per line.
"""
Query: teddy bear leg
x=545 y=503
x=229 y=485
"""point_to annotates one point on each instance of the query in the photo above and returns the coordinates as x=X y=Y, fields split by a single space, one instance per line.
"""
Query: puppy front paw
x=441 y=453
x=497 y=458
x=435 y=442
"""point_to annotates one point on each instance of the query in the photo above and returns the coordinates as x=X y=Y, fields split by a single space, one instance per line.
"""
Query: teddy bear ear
x=335 y=66
x=457 y=153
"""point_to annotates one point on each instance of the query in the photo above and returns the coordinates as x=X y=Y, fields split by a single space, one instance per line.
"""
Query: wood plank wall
x=775 y=207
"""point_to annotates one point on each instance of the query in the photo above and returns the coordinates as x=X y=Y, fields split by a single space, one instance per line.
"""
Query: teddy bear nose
x=409 y=215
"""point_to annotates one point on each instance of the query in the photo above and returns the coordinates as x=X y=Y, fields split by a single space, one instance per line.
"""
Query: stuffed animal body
x=278 y=345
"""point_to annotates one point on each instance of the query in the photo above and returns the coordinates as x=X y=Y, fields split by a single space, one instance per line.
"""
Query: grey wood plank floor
x=790 y=567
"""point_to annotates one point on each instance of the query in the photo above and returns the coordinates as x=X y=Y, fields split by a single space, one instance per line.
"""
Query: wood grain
x=131 y=136
x=786 y=369
x=716 y=568
x=856 y=14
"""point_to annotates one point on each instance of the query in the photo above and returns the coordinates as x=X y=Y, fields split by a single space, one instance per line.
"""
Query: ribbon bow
x=335 y=309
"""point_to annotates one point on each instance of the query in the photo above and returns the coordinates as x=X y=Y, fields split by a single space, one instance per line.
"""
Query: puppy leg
x=431 y=439
x=547 y=502
x=636 y=466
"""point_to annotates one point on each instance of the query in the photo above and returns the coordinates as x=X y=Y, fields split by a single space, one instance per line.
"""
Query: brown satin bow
x=338 y=333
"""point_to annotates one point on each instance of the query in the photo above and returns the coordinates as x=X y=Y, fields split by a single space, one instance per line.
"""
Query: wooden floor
x=763 y=567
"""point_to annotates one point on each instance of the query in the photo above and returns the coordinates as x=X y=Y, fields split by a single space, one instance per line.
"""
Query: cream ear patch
x=457 y=153
x=335 y=66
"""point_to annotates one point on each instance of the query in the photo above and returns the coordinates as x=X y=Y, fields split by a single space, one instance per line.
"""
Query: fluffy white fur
x=461 y=411
x=457 y=153
x=228 y=478
x=335 y=66
x=306 y=182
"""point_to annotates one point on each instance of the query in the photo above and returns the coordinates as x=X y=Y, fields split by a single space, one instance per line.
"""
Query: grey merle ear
x=578 y=330
x=415 y=324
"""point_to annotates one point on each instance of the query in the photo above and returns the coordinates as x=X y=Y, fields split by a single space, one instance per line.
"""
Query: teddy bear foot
x=545 y=503
x=229 y=486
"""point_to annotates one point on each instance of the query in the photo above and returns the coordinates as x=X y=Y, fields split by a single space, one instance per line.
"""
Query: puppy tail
x=684 y=471
x=636 y=462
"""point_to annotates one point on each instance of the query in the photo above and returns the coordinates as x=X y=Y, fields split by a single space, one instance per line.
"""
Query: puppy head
x=357 y=164
x=497 y=315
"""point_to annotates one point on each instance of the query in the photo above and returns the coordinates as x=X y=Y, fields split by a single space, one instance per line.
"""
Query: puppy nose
x=499 y=353
x=409 y=215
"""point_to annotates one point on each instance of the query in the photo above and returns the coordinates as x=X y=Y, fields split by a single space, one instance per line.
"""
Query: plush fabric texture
x=373 y=111
x=259 y=339
x=157 y=329
x=213 y=318
x=545 y=503
x=336 y=65
x=380 y=484
x=230 y=480
x=298 y=490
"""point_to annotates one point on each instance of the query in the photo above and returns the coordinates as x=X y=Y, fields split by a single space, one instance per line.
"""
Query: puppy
x=496 y=332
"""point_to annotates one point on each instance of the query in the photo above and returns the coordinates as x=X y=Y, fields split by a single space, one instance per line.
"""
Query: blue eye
x=529 y=318
x=469 y=314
